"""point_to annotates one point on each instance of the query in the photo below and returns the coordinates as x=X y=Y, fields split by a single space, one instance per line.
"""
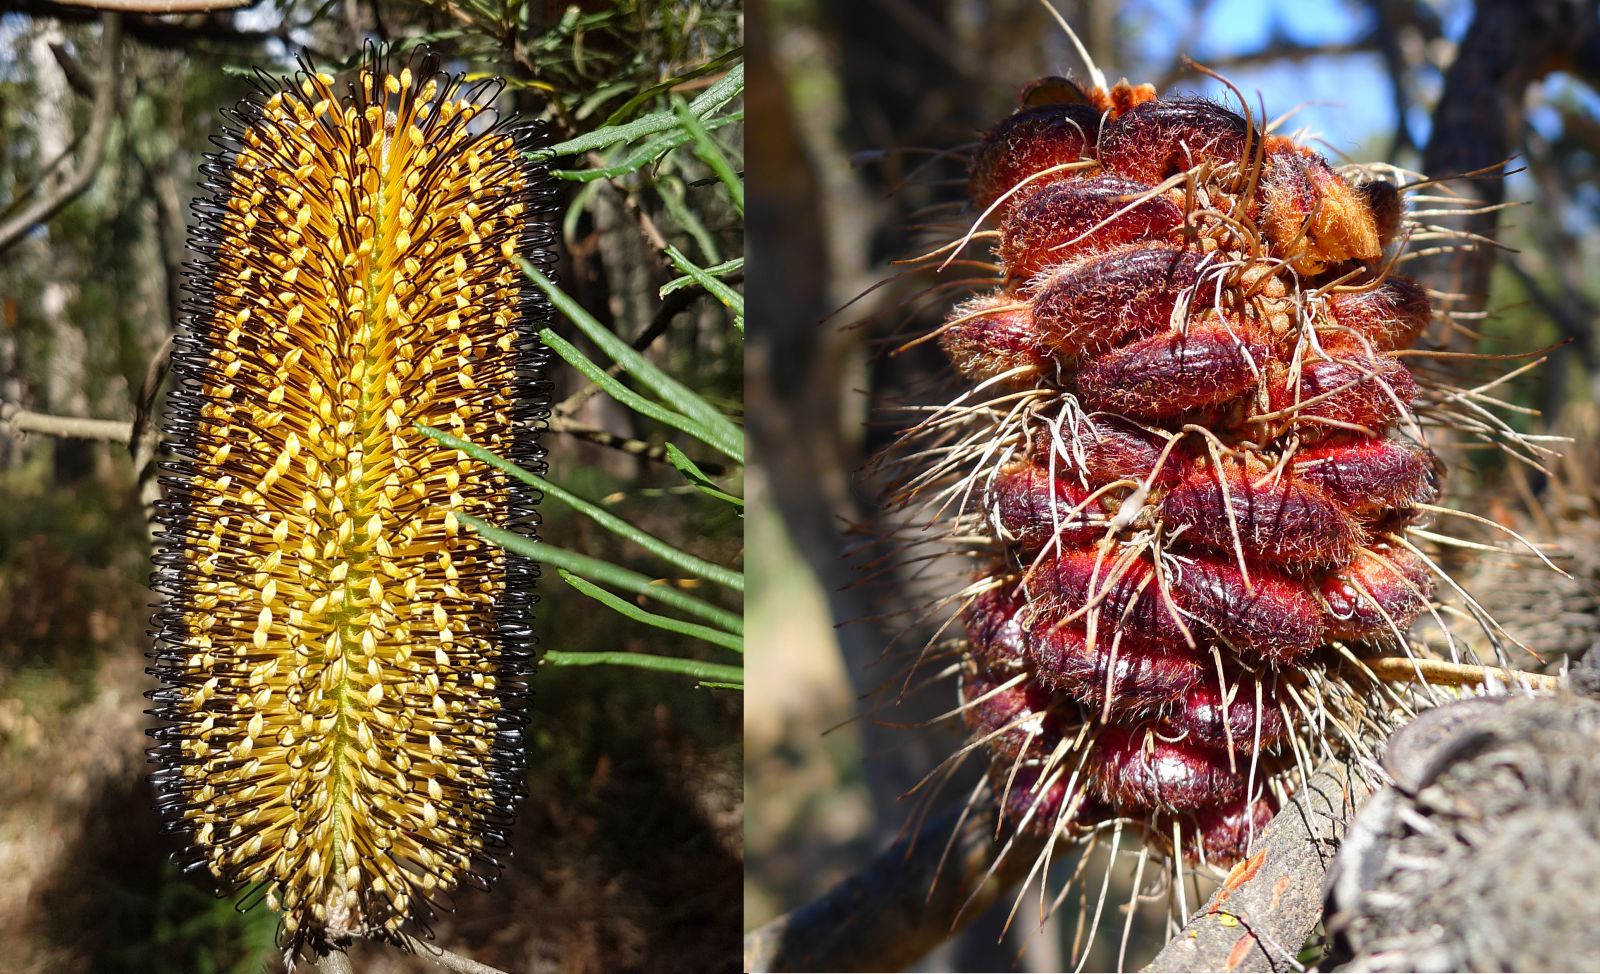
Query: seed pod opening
x=344 y=667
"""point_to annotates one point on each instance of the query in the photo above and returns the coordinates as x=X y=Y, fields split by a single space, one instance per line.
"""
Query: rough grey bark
x=1483 y=854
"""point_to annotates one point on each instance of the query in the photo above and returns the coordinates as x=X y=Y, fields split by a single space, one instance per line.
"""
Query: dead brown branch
x=1435 y=672
x=185 y=33
x=671 y=306
x=67 y=427
x=1262 y=914
x=653 y=452
x=1277 y=50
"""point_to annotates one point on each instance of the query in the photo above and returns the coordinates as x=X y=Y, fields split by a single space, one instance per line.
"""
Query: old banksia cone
x=344 y=667
x=1187 y=463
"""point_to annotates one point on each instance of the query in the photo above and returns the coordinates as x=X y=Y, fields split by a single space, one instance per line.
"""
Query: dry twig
x=1260 y=916
x=68 y=427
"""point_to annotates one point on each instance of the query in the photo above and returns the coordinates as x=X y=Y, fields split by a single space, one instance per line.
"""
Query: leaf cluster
x=687 y=153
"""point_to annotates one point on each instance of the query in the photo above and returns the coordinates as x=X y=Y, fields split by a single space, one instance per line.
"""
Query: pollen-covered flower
x=344 y=667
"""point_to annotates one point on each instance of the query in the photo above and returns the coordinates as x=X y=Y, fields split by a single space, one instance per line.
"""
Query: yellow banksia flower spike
x=343 y=666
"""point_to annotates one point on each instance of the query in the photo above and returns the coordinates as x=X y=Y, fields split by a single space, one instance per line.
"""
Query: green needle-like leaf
x=728 y=437
x=715 y=270
x=671 y=83
x=729 y=677
x=628 y=397
x=696 y=476
x=682 y=559
x=731 y=299
x=606 y=573
x=711 y=155
x=644 y=155
x=713 y=98
x=716 y=637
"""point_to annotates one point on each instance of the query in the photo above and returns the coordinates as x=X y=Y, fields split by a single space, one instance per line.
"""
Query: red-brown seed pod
x=1015 y=715
x=1387 y=316
x=993 y=336
x=1035 y=800
x=1116 y=449
x=1123 y=594
x=1031 y=800
x=1164 y=376
x=1270 y=616
x=1032 y=141
x=1355 y=392
x=1138 y=769
x=994 y=629
x=1369 y=474
x=1070 y=219
x=1096 y=304
x=1379 y=594
x=1277 y=519
x=1031 y=505
x=1160 y=138
x=1135 y=675
x=1222 y=835
x=1103 y=448
x=1236 y=719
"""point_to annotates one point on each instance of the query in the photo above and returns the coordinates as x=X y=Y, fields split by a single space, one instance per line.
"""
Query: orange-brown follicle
x=339 y=677
x=1312 y=213
x=992 y=338
x=1123 y=96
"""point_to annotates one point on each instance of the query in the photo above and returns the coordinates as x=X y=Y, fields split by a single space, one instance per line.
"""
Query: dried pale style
x=1187 y=480
x=344 y=668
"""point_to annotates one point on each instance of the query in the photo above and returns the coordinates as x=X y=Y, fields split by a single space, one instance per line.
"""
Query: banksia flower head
x=1185 y=473
x=344 y=667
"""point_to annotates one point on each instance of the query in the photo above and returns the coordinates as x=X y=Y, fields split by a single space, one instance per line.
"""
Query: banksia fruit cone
x=1188 y=460
x=344 y=668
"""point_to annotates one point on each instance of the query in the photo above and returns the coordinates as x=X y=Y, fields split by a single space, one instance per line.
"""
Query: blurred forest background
x=628 y=854
x=851 y=97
